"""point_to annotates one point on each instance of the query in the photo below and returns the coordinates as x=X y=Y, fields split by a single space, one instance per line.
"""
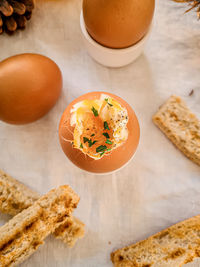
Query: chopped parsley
x=92 y=135
x=102 y=153
x=109 y=142
x=106 y=125
x=101 y=148
x=95 y=111
x=106 y=135
x=85 y=139
x=81 y=145
x=91 y=143
x=106 y=99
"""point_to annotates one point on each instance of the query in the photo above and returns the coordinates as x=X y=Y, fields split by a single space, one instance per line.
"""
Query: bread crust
x=181 y=126
x=15 y=197
x=23 y=234
x=174 y=246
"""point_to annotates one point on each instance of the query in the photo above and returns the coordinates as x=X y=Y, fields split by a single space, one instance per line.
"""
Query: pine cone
x=14 y=14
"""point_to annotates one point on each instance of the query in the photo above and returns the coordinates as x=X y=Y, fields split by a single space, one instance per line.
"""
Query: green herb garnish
x=106 y=125
x=106 y=99
x=91 y=143
x=106 y=135
x=85 y=139
x=109 y=142
x=102 y=153
x=95 y=111
x=92 y=134
x=81 y=145
x=101 y=148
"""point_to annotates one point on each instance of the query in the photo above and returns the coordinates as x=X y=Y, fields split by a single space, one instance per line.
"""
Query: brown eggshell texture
x=118 y=23
x=117 y=158
x=30 y=85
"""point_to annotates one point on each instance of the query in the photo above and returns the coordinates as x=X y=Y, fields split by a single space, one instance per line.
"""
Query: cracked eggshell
x=117 y=158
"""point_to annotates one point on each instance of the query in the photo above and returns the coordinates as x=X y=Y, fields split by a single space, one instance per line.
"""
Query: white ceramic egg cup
x=109 y=57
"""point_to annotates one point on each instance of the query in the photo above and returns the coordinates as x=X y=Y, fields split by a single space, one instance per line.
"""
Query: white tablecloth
x=160 y=186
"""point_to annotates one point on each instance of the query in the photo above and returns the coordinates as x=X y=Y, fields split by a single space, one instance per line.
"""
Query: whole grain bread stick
x=181 y=126
x=15 y=197
x=22 y=235
x=172 y=247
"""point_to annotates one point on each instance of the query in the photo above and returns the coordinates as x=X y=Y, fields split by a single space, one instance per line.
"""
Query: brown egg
x=118 y=23
x=118 y=156
x=30 y=85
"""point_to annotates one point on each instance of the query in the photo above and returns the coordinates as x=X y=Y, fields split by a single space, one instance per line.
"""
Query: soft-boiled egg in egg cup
x=99 y=132
x=112 y=57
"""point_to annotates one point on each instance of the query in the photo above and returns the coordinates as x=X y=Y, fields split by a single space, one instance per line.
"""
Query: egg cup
x=110 y=57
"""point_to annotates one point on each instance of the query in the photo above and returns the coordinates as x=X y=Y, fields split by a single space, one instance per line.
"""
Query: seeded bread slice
x=181 y=126
x=175 y=246
x=15 y=197
x=22 y=235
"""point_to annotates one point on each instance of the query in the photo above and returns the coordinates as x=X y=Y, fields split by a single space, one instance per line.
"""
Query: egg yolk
x=95 y=137
x=100 y=126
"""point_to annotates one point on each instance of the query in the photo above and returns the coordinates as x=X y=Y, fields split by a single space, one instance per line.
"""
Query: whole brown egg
x=118 y=23
x=30 y=85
